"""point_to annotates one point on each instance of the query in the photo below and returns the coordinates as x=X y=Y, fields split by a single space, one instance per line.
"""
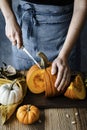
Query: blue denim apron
x=44 y=28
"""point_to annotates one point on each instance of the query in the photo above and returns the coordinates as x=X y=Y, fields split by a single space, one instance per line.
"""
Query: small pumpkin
x=28 y=114
x=40 y=79
x=76 y=89
x=10 y=93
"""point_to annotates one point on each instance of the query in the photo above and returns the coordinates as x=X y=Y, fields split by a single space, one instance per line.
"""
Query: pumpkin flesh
x=76 y=90
x=35 y=80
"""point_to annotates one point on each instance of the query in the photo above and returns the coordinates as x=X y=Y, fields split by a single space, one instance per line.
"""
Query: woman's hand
x=13 y=32
x=60 y=66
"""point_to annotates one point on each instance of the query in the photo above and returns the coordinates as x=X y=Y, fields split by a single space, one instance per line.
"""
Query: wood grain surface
x=55 y=115
x=66 y=119
x=53 y=119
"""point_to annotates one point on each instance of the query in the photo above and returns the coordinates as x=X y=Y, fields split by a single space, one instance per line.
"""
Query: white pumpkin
x=10 y=93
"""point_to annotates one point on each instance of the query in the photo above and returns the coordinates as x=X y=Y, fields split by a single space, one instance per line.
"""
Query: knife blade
x=30 y=56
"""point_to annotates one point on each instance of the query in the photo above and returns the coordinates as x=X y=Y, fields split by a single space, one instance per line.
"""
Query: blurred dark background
x=5 y=45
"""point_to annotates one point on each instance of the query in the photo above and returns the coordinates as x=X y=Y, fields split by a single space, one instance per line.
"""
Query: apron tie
x=29 y=15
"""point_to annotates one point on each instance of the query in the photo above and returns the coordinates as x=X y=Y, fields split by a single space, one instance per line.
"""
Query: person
x=52 y=27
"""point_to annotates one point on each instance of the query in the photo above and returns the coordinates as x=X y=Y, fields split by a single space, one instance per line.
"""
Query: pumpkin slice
x=48 y=86
x=76 y=90
x=50 y=89
x=35 y=81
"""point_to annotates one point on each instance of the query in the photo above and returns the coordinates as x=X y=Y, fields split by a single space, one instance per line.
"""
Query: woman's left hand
x=61 y=67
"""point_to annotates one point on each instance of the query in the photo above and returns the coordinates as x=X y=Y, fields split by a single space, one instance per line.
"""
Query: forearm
x=6 y=8
x=77 y=22
x=12 y=28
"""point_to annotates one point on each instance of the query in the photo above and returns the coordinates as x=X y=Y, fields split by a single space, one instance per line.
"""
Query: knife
x=30 y=56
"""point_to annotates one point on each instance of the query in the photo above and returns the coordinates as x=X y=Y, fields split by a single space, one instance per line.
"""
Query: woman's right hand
x=13 y=32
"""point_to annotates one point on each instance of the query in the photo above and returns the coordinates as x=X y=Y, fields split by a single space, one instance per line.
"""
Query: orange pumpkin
x=28 y=114
x=40 y=80
x=50 y=89
x=35 y=79
x=76 y=90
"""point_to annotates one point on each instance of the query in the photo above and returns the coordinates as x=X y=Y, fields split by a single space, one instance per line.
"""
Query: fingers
x=14 y=33
x=19 y=40
x=65 y=81
x=13 y=39
x=16 y=39
x=60 y=81
x=54 y=69
x=63 y=74
x=60 y=76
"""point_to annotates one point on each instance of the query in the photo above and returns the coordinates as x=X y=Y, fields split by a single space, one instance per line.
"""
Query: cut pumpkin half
x=35 y=82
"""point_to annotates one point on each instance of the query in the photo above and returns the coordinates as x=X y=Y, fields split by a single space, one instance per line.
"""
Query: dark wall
x=5 y=45
x=83 y=41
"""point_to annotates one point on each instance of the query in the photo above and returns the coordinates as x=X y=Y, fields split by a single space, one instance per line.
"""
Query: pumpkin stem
x=28 y=107
x=44 y=60
x=11 y=85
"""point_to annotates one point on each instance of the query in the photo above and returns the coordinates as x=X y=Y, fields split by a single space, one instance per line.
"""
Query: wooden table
x=53 y=119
